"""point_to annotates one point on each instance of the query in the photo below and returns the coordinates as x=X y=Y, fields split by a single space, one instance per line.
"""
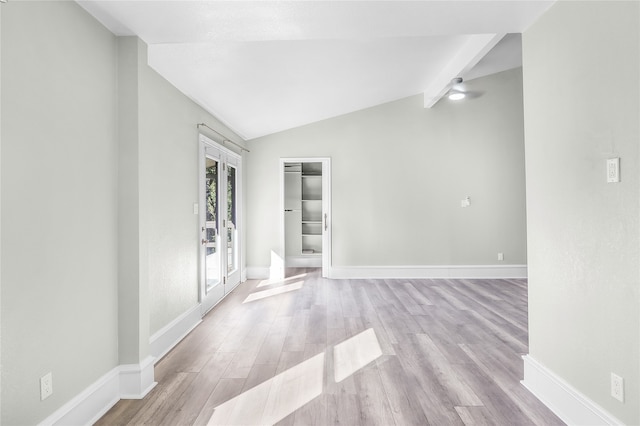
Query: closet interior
x=303 y=214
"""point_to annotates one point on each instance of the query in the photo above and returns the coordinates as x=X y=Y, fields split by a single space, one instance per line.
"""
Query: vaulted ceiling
x=267 y=66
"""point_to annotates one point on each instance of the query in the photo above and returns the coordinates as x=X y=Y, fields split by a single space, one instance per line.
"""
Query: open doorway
x=305 y=185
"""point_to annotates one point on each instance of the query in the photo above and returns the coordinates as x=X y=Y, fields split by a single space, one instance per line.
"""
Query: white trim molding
x=91 y=404
x=137 y=380
x=128 y=381
x=373 y=272
x=171 y=334
x=258 y=273
x=564 y=400
x=131 y=381
x=444 y=271
x=303 y=261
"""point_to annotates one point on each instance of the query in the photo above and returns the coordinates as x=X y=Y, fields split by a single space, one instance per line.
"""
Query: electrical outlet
x=46 y=386
x=500 y=256
x=613 y=170
x=617 y=387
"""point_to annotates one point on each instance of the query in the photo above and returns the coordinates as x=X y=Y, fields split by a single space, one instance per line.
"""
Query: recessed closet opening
x=305 y=213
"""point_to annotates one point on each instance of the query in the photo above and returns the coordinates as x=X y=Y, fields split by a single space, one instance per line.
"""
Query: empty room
x=319 y=212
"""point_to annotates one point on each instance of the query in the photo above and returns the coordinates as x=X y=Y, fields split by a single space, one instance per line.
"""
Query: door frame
x=326 y=209
x=205 y=142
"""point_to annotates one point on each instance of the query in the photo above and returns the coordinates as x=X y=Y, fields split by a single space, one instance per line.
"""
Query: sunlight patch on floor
x=274 y=399
x=268 y=282
x=274 y=291
x=354 y=353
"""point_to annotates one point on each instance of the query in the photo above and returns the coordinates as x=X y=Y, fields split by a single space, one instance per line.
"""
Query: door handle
x=204 y=242
x=325 y=221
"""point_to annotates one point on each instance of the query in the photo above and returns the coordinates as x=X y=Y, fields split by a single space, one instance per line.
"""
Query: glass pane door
x=213 y=272
x=220 y=186
x=232 y=231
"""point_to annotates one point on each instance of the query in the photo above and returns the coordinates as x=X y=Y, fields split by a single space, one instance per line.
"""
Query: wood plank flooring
x=312 y=351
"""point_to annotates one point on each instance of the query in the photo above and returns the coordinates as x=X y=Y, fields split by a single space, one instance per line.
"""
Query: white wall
x=0 y=214
x=99 y=177
x=133 y=315
x=169 y=185
x=59 y=217
x=399 y=174
x=582 y=106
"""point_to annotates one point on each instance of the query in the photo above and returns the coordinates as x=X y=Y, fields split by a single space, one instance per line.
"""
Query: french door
x=219 y=222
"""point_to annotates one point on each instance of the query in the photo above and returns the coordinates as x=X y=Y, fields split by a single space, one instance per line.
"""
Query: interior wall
x=169 y=188
x=0 y=214
x=399 y=173
x=59 y=217
x=581 y=65
x=92 y=149
x=133 y=318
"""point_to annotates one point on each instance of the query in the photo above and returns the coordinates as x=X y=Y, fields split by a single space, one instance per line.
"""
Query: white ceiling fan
x=458 y=91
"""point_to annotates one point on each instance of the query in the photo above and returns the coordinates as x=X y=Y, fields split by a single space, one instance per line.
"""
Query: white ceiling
x=267 y=66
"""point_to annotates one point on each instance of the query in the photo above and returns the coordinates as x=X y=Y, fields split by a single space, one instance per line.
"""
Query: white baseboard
x=564 y=400
x=308 y=261
x=130 y=381
x=123 y=382
x=258 y=273
x=170 y=335
x=91 y=404
x=444 y=271
x=137 y=380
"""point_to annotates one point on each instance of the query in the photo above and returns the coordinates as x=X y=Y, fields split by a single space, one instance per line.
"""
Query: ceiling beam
x=466 y=58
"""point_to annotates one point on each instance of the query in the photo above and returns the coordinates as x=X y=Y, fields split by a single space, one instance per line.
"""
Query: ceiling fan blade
x=474 y=94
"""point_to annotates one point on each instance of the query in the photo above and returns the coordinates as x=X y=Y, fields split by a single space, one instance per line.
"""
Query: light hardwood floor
x=312 y=351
